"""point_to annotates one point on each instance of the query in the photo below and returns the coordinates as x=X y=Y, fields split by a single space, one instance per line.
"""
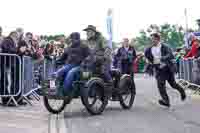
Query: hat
x=90 y=27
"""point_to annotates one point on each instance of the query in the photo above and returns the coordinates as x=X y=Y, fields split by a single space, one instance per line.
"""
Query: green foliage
x=170 y=34
x=141 y=41
x=53 y=37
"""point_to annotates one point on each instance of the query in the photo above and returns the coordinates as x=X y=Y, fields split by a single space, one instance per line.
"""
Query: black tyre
x=127 y=92
x=92 y=94
x=51 y=107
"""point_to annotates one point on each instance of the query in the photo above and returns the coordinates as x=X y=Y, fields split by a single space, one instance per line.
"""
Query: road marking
x=56 y=124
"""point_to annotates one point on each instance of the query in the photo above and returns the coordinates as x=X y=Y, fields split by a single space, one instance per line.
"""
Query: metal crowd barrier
x=189 y=70
x=196 y=71
x=29 y=85
x=181 y=69
x=20 y=76
x=32 y=72
x=10 y=77
x=48 y=68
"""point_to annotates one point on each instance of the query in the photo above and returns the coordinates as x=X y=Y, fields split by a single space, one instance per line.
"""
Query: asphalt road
x=146 y=116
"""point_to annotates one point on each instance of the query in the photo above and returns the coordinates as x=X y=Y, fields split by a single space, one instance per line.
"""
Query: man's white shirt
x=156 y=52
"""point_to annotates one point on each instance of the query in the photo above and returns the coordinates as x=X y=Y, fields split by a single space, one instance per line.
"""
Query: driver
x=100 y=58
x=72 y=58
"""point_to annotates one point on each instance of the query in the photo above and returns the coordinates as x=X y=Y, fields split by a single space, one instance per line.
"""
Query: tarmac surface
x=146 y=115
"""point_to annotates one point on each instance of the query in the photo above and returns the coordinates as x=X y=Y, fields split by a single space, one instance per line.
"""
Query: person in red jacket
x=194 y=49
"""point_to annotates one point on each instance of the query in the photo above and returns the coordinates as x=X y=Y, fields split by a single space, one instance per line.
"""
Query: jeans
x=64 y=70
x=71 y=76
x=69 y=72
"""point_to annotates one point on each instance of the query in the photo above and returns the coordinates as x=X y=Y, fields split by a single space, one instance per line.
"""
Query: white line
x=56 y=124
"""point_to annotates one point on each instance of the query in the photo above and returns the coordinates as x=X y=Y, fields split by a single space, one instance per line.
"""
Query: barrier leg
x=27 y=100
x=197 y=91
x=12 y=99
x=36 y=96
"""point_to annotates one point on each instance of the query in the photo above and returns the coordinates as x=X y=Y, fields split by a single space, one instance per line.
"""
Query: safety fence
x=189 y=70
x=10 y=75
x=22 y=76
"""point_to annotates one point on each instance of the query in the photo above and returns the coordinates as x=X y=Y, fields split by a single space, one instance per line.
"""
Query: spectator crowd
x=27 y=44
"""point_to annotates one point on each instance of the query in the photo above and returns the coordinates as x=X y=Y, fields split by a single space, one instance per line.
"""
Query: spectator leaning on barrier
x=160 y=56
x=26 y=45
x=42 y=41
x=9 y=46
x=37 y=52
x=60 y=51
x=197 y=55
x=62 y=43
x=194 y=48
x=54 y=47
x=49 y=51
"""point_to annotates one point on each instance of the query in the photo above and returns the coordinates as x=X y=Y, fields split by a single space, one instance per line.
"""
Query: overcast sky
x=65 y=16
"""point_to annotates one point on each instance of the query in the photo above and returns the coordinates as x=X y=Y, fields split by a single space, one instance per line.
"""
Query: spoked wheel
x=127 y=95
x=54 y=106
x=53 y=102
x=93 y=97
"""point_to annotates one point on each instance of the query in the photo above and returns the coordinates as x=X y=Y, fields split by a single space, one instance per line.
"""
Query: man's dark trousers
x=163 y=75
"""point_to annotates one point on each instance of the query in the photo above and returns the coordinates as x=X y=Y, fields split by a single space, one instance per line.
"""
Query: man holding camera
x=160 y=58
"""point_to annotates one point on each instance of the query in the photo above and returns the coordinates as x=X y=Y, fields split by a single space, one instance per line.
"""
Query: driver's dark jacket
x=100 y=55
x=74 y=54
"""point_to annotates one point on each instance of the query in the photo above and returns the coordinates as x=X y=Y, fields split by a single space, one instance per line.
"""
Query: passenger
x=72 y=58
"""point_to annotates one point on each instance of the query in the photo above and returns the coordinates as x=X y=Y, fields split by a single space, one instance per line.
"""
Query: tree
x=141 y=42
x=170 y=34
